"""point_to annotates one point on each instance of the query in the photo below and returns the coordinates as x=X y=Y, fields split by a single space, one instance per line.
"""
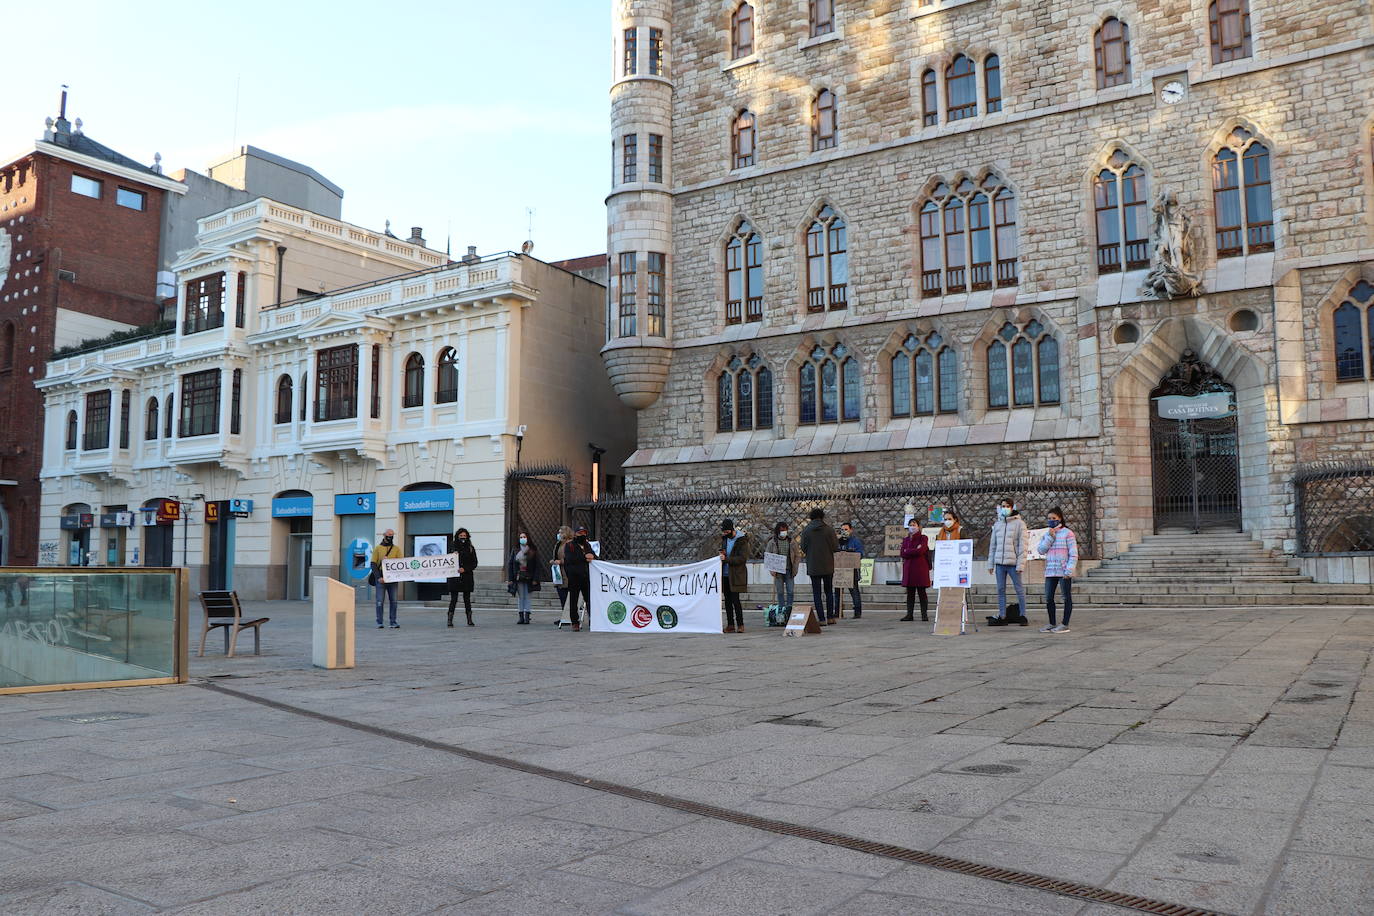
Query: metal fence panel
x=1335 y=509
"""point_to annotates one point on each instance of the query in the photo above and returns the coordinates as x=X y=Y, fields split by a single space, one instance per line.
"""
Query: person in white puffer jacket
x=1007 y=558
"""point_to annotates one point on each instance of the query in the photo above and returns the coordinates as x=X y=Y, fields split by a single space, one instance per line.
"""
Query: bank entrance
x=1194 y=450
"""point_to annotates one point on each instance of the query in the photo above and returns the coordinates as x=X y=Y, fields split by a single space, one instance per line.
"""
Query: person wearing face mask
x=950 y=529
x=1007 y=558
x=386 y=549
x=577 y=572
x=916 y=569
x=784 y=544
x=850 y=543
x=461 y=584
x=564 y=538
x=1059 y=546
x=523 y=573
x=818 y=544
x=734 y=559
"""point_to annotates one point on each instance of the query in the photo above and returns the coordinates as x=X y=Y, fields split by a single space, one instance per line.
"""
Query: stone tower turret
x=639 y=209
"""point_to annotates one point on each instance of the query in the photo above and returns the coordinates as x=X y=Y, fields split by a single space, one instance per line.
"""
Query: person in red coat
x=916 y=567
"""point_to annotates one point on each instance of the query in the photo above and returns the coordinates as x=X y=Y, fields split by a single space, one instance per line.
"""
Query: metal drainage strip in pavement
x=783 y=828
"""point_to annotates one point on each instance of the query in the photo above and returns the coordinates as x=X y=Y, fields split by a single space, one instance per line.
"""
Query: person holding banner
x=783 y=544
x=461 y=584
x=385 y=550
x=850 y=543
x=916 y=568
x=819 y=544
x=734 y=573
x=524 y=572
x=577 y=558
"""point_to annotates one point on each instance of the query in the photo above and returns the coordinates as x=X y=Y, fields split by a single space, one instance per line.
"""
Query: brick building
x=873 y=243
x=80 y=227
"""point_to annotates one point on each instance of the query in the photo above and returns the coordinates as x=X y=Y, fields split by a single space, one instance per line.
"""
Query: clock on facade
x=1173 y=92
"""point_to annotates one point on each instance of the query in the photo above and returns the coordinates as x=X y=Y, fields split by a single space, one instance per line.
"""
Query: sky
x=454 y=116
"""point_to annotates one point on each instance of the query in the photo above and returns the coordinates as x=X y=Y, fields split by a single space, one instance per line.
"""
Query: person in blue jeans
x=1059 y=546
x=386 y=550
x=1007 y=559
x=850 y=543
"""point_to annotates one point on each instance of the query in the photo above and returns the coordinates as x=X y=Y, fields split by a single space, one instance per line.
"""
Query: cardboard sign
x=846 y=560
x=893 y=535
x=866 y=572
x=775 y=563
x=950 y=611
x=803 y=620
x=953 y=564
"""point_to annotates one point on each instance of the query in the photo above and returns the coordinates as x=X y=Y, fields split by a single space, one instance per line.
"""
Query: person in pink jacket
x=916 y=567
x=1059 y=546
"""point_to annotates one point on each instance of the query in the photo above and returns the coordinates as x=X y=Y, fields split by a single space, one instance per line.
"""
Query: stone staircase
x=1212 y=569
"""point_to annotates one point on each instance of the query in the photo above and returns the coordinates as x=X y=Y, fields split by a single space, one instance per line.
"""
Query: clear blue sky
x=427 y=113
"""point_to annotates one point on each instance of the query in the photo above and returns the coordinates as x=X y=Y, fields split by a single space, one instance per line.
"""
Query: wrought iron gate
x=1196 y=461
x=535 y=502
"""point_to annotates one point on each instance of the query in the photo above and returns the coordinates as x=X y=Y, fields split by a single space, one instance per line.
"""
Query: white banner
x=636 y=599
x=953 y=564
x=431 y=545
x=420 y=569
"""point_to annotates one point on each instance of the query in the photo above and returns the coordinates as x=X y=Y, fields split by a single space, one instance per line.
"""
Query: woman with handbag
x=461 y=584
x=523 y=573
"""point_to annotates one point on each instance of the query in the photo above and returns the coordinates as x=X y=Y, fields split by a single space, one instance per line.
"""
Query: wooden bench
x=222 y=609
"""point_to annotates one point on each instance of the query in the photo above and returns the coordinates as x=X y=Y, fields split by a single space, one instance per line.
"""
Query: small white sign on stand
x=953 y=576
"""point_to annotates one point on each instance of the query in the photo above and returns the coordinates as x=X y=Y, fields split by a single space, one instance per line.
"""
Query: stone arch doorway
x=1194 y=449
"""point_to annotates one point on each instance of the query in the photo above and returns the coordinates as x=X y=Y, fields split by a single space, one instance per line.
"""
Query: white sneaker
x=1048 y=629
x=1060 y=629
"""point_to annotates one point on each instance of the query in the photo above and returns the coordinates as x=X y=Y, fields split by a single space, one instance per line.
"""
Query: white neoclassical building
x=322 y=383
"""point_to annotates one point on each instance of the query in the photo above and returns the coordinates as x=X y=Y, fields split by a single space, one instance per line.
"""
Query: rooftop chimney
x=61 y=130
x=471 y=255
x=415 y=235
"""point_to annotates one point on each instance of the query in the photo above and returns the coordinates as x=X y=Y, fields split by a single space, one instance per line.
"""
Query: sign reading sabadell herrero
x=664 y=599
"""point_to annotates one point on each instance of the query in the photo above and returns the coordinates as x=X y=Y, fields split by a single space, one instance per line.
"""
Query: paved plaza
x=1221 y=758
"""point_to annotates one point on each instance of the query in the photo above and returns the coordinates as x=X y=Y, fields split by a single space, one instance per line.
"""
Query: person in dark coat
x=577 y=574
x=461 y=584
x=523 y=573
x=734 y=549
x=916 y=568
x=819 y=544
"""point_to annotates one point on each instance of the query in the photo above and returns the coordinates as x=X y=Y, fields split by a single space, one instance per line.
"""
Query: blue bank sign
x=355 y=504
x=426 y=501
x=292 y=507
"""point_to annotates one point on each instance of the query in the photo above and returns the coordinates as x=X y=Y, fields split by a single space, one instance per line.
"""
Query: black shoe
x=858 y=614
x=1023 y=621
x=395 y=626
x=380 y=627
x=924 y=617
x=997 y=621
x=907 y=617
x=450 y=624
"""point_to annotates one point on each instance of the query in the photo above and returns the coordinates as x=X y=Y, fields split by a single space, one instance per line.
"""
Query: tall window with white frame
x=827 y=262
x=1023 y=366
x=825 y=129
x=968 y=237
x=446 y=390
x=742 y=138
x=1241 y=194
x=96 y=432
x=744 y=395
x=284 y=397
x=126 y=409
x=631 y=48
x=150 y=420
x=1228 y=27
x=656 y=312
x=1112 y=53
x=656 y=158
x=71 y=430
x=413 y=381
x=742 y=31
x=1353 y=334
x=629 y=161
x=1120 y=197
x=743 y=275
x=658 y=53
x=930 y=98
x=821 y=17
x=992 y=83
x=828 y=387
x=961 y=88
x=628 y=290
x=925 y=377
x=336 y=383
x=204 y=304
x=199 y=404
x=236 y=403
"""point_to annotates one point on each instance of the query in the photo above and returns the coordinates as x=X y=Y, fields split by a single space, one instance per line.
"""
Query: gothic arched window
x=1112 y=53
x=743 y=275
x=1353 y=326
x=447 y=390
x=961 y=89
x=827 y=262
x=742 y=32
x=1228 y=24
x=742 y=141
x=413 y=390
x=825 y=130
x=925 y=377
x=829 y=389
x=1241 y=195
x=1023 y=367
x=284 y=398
x=968 y=238
x=744 y=395
x=1120 y=195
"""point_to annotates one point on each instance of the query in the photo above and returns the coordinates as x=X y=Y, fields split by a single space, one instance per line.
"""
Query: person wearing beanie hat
x=734 y=549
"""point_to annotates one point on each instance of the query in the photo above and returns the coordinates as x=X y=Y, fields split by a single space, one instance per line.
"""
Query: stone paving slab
x=1218 y=757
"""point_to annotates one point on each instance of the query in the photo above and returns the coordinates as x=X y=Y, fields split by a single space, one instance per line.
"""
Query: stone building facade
x=1007 y=230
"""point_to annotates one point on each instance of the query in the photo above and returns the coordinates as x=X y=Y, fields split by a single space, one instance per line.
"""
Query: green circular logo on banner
x=667 y=617
x=615 y=612
x=414 y=564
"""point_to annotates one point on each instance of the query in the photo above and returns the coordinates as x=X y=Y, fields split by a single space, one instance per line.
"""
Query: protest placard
x=420 y=569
